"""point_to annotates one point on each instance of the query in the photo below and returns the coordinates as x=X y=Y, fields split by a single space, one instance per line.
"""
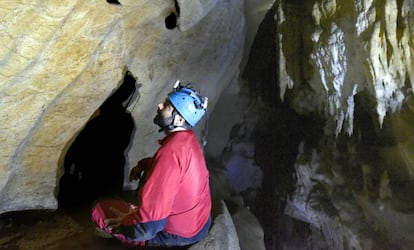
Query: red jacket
x=177 y=186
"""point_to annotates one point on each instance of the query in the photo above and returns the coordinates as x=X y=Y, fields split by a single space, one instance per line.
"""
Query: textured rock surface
x=343 y=71
x=249 y=230
x=352 y=69
x=344 y=66
x=222 y=234
x=62 y=59
x=347 y=48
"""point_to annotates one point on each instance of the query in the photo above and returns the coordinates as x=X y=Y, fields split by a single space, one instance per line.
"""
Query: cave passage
x=94 y=163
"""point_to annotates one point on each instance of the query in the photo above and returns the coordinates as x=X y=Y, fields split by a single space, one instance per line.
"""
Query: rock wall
x=346 y=48
x=61 y=59
x=348 y=65
x=343 y=67
x=325 y=100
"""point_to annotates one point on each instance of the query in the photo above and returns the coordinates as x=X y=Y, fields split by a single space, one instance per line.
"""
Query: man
x=174 y=202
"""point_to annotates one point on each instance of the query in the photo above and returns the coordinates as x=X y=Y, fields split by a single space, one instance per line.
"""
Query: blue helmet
x=188 y=103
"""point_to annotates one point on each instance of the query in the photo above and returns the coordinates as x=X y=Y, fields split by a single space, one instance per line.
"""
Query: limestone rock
x=62 y=59
x=249 y=230
x=192 y=11
x=346 y=48
x=222 y=234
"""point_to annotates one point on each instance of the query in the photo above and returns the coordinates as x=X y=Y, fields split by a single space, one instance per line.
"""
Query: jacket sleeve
x=142 y=231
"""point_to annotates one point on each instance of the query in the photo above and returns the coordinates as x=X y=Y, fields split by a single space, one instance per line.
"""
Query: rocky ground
x=61 y=229
x=73 y=229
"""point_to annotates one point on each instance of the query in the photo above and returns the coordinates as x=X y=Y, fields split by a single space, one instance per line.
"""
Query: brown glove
x=142 y=166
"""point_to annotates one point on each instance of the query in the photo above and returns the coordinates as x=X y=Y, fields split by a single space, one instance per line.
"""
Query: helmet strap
x=204 y=133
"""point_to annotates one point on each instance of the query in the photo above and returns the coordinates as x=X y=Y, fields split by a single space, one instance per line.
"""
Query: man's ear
x=180 y=120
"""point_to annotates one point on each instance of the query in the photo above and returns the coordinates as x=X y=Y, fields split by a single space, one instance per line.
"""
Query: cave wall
x=342 y=67
x=346 y=48
x=325 y=110
x=62 y=59
x=348 y=65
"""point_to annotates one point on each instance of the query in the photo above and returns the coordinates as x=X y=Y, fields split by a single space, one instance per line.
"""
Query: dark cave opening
x=171 y=21
x=94 y=163
x=114 y=2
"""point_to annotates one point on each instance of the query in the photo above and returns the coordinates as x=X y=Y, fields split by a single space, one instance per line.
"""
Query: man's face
x=164 y=115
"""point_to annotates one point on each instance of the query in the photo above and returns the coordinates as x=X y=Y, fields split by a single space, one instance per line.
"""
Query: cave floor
x=60 y=229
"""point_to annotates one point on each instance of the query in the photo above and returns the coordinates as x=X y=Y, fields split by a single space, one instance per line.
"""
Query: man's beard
x=163 y=122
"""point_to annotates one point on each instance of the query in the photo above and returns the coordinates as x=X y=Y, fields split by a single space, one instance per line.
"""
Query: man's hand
x=115 y=222
x=142 y=165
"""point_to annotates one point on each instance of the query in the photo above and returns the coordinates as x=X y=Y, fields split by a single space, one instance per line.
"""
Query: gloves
x=137 y=171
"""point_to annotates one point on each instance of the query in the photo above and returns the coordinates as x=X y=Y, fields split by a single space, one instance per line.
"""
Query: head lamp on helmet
x=188 y=103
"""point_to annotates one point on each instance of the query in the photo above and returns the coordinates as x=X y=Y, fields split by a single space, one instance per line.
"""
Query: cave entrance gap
x=94 y=164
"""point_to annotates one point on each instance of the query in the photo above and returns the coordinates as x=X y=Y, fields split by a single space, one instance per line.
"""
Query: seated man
x=174 y=202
